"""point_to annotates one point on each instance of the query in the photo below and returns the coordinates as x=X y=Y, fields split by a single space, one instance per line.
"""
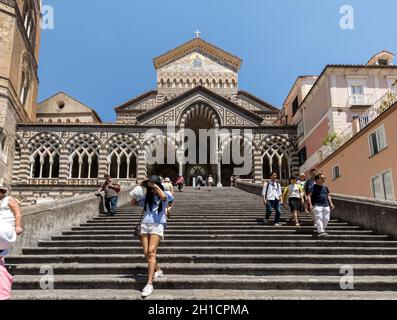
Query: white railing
x=360 y=100
x=380 y=106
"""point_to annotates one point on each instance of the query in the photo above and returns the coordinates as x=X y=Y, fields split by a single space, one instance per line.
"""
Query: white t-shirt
x=168 y=186
x=5 y=212
x=273 y=192
x=294 y=191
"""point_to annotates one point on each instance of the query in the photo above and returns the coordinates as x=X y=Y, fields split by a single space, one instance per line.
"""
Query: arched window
x=25 y=86
x=84 y=159
x=276 y=158
x=44 y=162
x=30 y=21
x=122 y=159
x=68 y=121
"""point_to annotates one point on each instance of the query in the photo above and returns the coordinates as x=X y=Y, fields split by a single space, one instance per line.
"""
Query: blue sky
x=101 y=51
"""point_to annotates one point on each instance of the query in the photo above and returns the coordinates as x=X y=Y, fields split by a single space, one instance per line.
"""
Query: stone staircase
x=214 y=249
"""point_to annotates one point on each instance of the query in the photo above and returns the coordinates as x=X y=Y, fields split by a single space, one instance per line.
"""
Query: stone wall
x=377 y=215
x=380 y=216
x=40 y=222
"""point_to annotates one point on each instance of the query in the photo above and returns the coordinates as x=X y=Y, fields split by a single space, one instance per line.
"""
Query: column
x=179 y=159
x=141 y=165
x=24 y=171
x=258 y=174
x=219 y=169
x=102 y=164
x=65 y=167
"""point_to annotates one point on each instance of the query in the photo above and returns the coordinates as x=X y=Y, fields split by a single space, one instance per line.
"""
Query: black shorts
x=295 y=204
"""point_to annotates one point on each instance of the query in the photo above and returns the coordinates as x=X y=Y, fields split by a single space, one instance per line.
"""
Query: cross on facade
x=197 y=34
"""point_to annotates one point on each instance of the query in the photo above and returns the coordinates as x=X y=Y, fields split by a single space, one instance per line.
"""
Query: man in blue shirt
x=320 y=203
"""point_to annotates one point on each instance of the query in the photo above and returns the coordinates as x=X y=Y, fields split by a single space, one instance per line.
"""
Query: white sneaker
x=158 y=274
x=147 y=291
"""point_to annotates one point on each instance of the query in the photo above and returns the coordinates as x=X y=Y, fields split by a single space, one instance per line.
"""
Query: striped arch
x=86 y=137
x=43 y=137
x=248 y=142
x=199 y=109
x=131 y=139
x=19 y=145
x=150 y=143
x=156 y=142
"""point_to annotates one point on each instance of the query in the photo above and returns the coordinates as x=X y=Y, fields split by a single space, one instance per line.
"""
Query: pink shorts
x=5 y=282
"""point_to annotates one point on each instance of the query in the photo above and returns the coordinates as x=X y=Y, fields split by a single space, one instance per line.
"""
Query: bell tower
x=19 y=50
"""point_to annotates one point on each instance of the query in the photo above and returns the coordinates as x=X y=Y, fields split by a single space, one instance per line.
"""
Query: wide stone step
x=209 y=269
x=228 y=230
x=204 y=294
x=210 y=224
x=223 y=226
x=222 y=282
x=215 y=250
x=202 y=258
x=104 y=241
x=173 y=219
x=233 y=235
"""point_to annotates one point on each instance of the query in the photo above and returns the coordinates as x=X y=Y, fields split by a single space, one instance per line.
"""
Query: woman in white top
x=10 y=227
x=10 y=221
x=293 y=193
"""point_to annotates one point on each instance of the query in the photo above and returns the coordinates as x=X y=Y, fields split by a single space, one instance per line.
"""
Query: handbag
x=137 y=231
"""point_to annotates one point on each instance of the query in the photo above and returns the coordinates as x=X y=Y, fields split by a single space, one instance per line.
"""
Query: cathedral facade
x=64 y=148
x=197 y=89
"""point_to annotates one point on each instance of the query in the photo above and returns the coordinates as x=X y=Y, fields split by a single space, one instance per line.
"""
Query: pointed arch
x=199 y=108
x=122 y=156
x=45 y=154
x=84 y=156
x=276 y=156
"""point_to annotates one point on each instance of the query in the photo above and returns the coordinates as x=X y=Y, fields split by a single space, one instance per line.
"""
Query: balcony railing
x=380 y=106
x=359 y=100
